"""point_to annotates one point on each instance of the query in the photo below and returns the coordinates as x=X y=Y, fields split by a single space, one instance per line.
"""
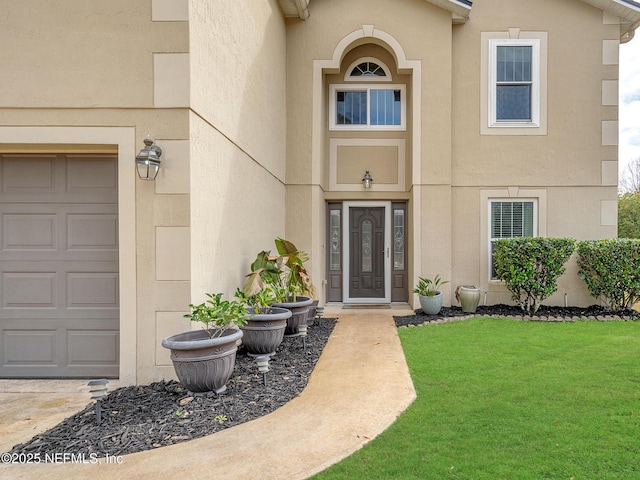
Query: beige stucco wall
x=423 y=33
x=82 y=54
x=570 y=163
x=238 y=149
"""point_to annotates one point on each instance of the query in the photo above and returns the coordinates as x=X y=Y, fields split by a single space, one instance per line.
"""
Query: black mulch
x=143 y=417
x=544 y=313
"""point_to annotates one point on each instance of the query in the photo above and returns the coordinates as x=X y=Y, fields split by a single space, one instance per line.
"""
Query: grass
x=506 y=399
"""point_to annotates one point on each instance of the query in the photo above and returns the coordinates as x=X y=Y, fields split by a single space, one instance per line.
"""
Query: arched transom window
x=368 y=69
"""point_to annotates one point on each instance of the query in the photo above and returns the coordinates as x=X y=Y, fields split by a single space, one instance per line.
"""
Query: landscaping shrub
x=611 y=270
x=530 y=267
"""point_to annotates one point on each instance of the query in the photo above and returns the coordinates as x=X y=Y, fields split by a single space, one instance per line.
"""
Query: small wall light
x=148 y=160
x=367 y=180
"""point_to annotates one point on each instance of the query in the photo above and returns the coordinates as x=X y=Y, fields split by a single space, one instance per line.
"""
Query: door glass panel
x=335 y=259
x=398 y=239
x=367 y=246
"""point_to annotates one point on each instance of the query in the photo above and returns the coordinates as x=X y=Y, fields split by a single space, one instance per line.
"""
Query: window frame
x=491 y=238
x=335 y=88
x=534 y=43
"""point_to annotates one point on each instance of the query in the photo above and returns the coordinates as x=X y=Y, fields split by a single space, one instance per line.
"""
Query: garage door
x=59 y=305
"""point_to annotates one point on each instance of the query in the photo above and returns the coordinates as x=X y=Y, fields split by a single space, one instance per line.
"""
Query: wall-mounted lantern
x=367 y=180
x=148 y=160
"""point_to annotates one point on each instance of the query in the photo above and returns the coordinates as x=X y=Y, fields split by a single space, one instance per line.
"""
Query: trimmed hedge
x=611 y=270
x=530 y=267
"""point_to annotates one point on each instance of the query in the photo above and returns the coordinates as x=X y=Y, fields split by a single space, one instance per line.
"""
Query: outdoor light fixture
x=148 y=160
x=263 y=366
x=98 y=391
x=367 y=180
x=302 y=331
x=319 y=314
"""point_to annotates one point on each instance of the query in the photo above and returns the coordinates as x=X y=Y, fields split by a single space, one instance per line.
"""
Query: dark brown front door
x=366 y=246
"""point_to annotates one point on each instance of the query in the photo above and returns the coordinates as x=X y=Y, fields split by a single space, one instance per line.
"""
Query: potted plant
x=204 y=359
x=265 y=324
x=468 y=296
x=429 y=293
x=287 y=277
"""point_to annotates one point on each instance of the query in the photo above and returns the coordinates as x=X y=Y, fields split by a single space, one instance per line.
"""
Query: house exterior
x=475 y=121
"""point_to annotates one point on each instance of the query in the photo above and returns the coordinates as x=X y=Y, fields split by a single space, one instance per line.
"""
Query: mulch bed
x=143 y=417
x=544 y=314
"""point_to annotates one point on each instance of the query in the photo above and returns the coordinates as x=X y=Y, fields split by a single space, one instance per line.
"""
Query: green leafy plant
x=611 y=270
x=530 y=267
x=429 y=288
x=217 y=314
x=261 y=301
x=296 y=278
x=220 y=419
x=285 y=274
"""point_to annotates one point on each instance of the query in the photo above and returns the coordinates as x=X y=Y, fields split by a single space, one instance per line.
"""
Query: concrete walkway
x=358 y=388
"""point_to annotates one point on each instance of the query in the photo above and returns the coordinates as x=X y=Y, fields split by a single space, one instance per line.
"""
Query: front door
x=367 y=248
x=366 y=278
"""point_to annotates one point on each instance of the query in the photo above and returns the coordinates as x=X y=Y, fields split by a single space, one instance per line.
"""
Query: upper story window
x=362 y=107
x=514 y=83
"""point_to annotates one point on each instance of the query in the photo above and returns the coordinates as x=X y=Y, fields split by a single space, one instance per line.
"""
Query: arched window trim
x=363 y=78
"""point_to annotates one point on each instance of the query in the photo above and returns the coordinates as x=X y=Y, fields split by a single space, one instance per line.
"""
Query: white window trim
x=535 y=83
x=495 y=288
x=367 y=87
x=490 y=224
x=387 y=72
x=489 y=42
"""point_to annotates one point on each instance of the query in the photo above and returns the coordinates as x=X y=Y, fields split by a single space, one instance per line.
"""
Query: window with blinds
x=511 y=219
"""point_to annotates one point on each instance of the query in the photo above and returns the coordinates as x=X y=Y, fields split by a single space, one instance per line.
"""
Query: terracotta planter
x=203 y=364
x=469 y=297
x=431 y=305
x=299 y=312
x=264 y=331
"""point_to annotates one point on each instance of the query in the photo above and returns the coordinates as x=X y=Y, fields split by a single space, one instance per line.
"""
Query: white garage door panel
x=59 y=285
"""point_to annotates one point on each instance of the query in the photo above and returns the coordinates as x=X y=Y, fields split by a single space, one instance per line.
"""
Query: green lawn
x=507 y=399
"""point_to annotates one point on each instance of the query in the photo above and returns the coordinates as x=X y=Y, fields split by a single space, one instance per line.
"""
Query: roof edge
x=628 y=11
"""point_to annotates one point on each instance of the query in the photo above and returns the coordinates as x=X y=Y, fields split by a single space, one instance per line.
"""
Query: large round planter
x=431 y=305
x=299 y=312
x=264 y=330
x=203 y=364
x=469 y=297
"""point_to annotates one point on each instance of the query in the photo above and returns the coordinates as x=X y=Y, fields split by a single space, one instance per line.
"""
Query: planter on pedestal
x=203 y=364
x=264 y=330
x=299 y=312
